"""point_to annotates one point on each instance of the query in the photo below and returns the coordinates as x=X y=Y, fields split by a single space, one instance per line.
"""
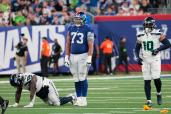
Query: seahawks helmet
x=149 y=22
x=80 y=18
x=15 y=80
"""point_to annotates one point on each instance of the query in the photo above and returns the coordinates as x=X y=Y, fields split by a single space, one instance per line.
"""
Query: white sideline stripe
x=112 y=112
x=80 y=108
x=112 y=98
x=101 y=102
x=100 y=78
x=67 y=89
x=95 y=93
x=79 y=113
x=168 y=96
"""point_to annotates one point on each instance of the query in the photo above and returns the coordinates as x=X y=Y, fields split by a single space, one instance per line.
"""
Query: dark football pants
x=119 y=62
x=107 y=62
x=44 y=66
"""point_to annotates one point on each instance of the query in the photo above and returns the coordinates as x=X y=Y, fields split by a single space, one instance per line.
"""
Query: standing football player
x=38 y=86
x=148 y=41
x=79 y=50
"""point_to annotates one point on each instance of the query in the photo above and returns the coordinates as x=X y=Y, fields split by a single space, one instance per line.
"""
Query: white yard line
x=81 y=108
x=108 y=98
x=95 y=93
x=100 y=78
x=112 y=112
x=78 y=113
x=101 y=102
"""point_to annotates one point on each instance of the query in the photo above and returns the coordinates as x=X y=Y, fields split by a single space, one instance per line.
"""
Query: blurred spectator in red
x=107 y=49
x=45 y=54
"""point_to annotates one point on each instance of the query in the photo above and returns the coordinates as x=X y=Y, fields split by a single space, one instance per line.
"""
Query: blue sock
x=84 y=87
x=78 y=89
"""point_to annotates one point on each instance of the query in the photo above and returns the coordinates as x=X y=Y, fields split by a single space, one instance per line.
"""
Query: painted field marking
x=99 y=78
x=81 y=108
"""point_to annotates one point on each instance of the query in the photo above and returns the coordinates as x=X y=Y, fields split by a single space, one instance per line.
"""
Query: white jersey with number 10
x=149 y=41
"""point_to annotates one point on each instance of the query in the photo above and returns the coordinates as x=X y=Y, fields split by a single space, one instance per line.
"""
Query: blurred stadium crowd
x=57 y=12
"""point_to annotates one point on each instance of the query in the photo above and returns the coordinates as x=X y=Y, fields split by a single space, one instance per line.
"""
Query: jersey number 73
x=77 y=37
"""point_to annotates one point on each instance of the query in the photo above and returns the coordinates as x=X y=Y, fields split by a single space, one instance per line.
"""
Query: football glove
x=88 y=61
x=14 y=105
x=139 y=60
x=66 y=61
x=29 y=105
x=155 y=52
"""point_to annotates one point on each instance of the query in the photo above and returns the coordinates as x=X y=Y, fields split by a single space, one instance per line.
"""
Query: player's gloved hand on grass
x=139 y=60
x=88 y=61
x=66 y=61
x=155 y=52
x=14 y=105
x=29 y=105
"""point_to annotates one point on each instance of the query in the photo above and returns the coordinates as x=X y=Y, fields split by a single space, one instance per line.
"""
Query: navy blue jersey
x=79 y=38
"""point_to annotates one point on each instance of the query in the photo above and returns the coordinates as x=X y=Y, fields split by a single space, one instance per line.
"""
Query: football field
x=107 y=95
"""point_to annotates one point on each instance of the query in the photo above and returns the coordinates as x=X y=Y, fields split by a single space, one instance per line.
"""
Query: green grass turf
x=107 y=96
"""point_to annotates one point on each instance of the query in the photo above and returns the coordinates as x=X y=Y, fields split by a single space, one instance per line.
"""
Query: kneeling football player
x=38 y=86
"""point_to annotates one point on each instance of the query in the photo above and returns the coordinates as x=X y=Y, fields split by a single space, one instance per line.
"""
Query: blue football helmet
x=15 y=80
x=80 y=18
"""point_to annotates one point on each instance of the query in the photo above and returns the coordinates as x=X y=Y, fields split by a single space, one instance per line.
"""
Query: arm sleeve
x=90 y=34
x=137 y=49
x=166 y=44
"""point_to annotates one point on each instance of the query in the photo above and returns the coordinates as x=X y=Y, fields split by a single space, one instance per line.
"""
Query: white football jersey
x=149 y=41
x=26 y=79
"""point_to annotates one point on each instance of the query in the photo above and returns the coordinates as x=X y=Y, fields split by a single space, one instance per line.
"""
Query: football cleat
x=164 y=111
x=84 y=101
x=148 y=103
x=81 y=101
x=74 y=98
x=146 y=107
x=4 y=106
x=78 y=102
x=159 y=99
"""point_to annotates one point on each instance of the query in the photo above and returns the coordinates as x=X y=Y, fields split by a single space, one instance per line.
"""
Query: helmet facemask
x=78 y=21
x=149 y=24
x=79 y=18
